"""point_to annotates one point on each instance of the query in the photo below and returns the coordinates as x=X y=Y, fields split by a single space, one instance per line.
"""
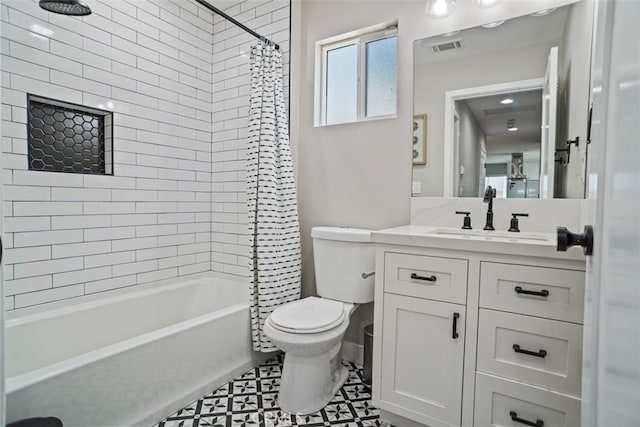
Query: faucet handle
x=514 y=222
x=467 y=219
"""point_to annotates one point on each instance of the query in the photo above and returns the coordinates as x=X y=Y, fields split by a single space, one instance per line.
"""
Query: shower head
x=66 y=7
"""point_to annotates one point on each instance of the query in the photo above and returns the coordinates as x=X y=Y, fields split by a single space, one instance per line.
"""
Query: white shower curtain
x=274 y=231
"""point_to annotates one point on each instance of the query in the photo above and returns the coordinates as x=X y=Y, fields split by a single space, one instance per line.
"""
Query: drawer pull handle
x=455 y=334
x=540 y=353
x=542 y=293
x=514 y=417
x=428 y=279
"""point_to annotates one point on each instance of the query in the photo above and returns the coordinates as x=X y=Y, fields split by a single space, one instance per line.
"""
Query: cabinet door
x=422 y=359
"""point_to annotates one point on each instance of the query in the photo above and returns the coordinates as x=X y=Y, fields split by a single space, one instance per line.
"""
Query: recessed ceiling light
x=513 y=129
x=493 y=24
x=440 y=8
x=543 y=12
x=507 y=101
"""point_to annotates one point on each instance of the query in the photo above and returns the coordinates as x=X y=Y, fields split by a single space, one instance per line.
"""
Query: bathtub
x=128 y=357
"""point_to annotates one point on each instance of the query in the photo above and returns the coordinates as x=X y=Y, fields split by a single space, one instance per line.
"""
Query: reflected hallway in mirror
x=498 y=138
x=518 y=50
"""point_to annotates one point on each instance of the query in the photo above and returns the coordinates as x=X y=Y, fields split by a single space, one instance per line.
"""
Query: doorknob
x=566 y=239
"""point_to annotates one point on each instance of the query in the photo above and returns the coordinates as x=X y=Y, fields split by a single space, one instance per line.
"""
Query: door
x=2 y=309
x=422 y=359
x=456 y=144
x=611 y=375
x=549 y=111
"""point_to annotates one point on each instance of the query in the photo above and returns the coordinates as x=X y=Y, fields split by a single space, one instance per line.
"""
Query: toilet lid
x=308 y=315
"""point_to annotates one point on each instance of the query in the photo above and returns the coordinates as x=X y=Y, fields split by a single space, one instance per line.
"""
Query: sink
x=492 y=235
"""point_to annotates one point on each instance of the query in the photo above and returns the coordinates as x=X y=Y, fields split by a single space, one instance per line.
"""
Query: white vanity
x=477 y=328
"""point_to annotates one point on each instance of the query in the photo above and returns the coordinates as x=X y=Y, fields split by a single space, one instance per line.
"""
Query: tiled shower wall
x=231 y=86
x=149 y=62
x=153 y=63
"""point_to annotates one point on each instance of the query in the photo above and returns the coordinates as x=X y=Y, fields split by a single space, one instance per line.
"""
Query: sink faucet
x=489 y=194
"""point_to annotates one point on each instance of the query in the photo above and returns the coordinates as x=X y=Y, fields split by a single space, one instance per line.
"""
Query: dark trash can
x=368 y=355
x=37 y=422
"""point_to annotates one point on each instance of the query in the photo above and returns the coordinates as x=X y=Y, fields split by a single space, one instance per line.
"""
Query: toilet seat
x=308 y=316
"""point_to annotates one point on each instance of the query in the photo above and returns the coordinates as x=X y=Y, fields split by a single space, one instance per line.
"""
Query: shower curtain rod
x=239 y=24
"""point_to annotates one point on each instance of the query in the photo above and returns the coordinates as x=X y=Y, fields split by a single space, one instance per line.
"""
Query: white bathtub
x=128 y=357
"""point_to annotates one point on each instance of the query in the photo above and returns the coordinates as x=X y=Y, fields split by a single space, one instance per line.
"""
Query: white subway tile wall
x=231 y=87
x=177 y=79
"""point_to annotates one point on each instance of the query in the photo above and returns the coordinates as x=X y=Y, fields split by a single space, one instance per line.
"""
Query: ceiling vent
x=449 y=45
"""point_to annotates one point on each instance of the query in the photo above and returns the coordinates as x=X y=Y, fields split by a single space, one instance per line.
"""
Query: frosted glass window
x=342 y=84
x=381 y=77
x=357 y=77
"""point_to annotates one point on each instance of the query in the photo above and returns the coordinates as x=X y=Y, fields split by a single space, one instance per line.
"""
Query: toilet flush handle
x=367 y=275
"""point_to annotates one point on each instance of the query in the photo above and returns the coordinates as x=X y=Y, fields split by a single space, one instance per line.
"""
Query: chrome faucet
x=489 y=194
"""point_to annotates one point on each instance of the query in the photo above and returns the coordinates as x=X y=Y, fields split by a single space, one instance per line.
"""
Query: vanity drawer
x=536 y=291
x=500 y=402
x=506 y=340
x=443 y=279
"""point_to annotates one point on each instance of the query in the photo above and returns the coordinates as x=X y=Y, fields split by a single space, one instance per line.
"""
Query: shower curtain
x=274 y=232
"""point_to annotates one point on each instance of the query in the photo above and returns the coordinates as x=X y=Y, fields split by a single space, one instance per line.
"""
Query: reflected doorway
x=498 y=140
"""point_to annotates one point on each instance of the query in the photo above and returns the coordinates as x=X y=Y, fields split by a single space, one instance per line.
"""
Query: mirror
x=505 y=104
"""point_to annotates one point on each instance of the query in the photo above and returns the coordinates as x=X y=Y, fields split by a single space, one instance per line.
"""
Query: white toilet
x=310 y=330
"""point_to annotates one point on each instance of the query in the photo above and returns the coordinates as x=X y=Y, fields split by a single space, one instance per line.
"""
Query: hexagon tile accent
x=65 y=139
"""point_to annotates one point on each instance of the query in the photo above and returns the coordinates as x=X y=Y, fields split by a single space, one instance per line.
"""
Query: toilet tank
x=341 y=255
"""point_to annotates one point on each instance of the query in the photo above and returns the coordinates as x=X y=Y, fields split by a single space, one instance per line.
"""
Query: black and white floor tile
x=252 y=400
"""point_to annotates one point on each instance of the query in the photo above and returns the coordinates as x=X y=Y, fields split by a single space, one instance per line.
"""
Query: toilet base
x=308 y=383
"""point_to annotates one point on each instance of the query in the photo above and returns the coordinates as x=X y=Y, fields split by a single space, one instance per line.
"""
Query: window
x=358 y=77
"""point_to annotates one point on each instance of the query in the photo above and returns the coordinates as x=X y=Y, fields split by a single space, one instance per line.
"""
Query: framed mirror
x=508 y=106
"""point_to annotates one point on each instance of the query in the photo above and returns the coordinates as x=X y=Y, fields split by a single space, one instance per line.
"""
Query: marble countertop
x=524 y=244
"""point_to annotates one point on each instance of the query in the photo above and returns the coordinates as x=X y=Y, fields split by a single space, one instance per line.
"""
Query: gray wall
x=359 y=174
x=574 y=66
x=470 y=143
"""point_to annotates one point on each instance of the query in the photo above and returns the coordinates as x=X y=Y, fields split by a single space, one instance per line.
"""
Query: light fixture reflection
x=440 y=8
x=486 y=3
x=543 y=12
x=507 y=101
x=493 y=24
x=43 y=31
x=513 y=129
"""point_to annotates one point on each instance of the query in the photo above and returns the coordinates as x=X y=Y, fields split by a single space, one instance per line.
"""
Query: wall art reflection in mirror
x=419 y=139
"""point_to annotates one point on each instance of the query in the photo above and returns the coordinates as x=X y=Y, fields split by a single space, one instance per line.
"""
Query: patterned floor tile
x=252 y=400
x=214 y=405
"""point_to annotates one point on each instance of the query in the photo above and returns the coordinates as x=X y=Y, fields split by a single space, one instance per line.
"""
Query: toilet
x=310 y=331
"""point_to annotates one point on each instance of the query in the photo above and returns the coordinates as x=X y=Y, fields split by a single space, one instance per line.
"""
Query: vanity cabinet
x=423 y=352
x=468 y=337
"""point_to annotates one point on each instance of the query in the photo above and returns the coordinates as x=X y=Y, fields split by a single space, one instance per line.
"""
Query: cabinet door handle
x=514 y=417
x=455 y=334
x=539 y=353
x=542 y=293
x=428 y=279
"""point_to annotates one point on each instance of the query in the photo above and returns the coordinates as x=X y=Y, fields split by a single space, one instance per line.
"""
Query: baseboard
x=352 y=352
x=389 y=419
